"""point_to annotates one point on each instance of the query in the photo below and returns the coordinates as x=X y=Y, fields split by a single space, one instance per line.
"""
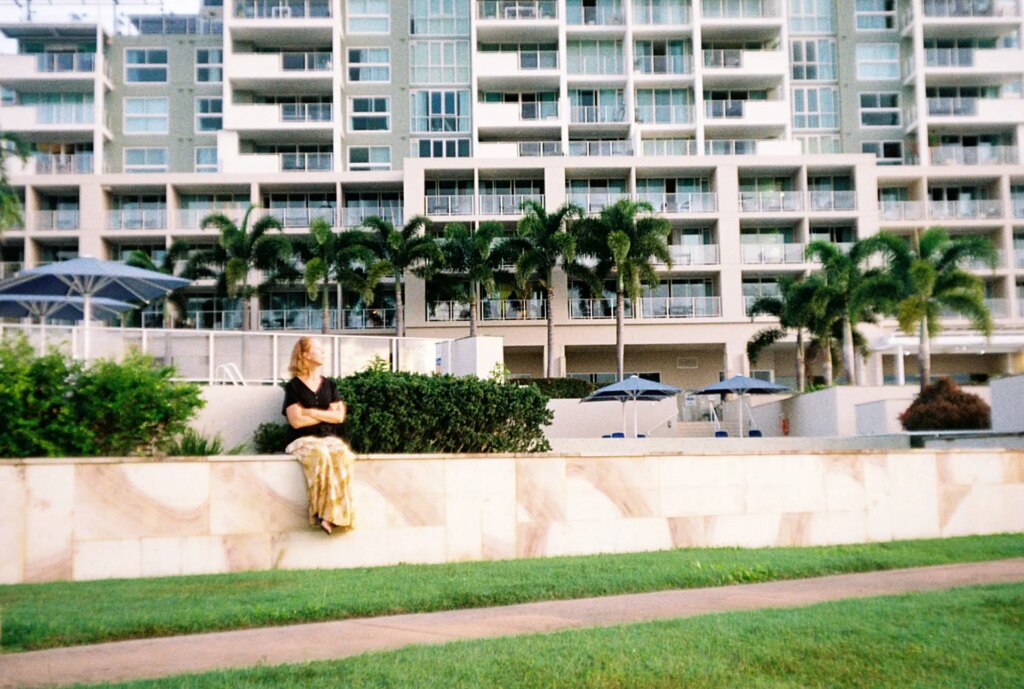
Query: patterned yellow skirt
x=327 y=464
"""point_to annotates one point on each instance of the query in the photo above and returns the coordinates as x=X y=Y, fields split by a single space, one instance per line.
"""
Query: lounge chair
x=755 y=433
x=721 y=434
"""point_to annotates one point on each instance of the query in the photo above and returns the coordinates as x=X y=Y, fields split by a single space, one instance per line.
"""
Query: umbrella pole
x=623 y=418
x=741 y=414
x=42 y=335
x=634 y=419
x=87 y=315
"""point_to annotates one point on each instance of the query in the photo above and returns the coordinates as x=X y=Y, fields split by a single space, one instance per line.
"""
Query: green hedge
x=394 y=413
x=560 y=388
x=51 y=406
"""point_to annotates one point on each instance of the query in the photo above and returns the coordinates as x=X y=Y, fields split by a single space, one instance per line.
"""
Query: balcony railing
x=192 y=218
x=597 y=65
x=461 y=204
x=282 y=9
x=312 y=319
x=952 y=106
x=965 y=209
x=517 y=9
x=724 y=109
x=967 y=8
x=300 y=217
x=740 y=9
x=533 y=149
x=68 y=164
x=447 y=311
x=664 y=114
x=771 y=201
x=726 y=57
x=512 y=310
x=999 y=308
x=1018 y=258
x=730 y=147
x=538 y=59
x=669 y=147
x=589 y=309
x=949 y=57
x=314 y=61
x=773 y=253
x=65 y=62
x=663 y=64
x=62 y=219
x=538 y=111
x=661 y=14
x=979 y=264
x=55 y=113
x=9 y=269
x=137 y=219
x=681 y=202
x=353 y=216
x=600 y=148
x=1018 y=207
x=506 y=204
x=600 y=16
x=694 y=254
x=832 y=200
x=598 y=114
x=973 y=155
x=306 y=112
x=596 y=202
x=901 y=210
x=681 y=307
x=292 y=162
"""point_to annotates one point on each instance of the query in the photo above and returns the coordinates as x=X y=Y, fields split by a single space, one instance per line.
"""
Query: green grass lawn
x=68 y=613
x=970 y=637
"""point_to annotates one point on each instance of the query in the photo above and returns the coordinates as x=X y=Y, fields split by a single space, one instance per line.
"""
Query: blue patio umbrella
x=89 y=278
x=743 y=385
x=57 y=307
x=635 y=389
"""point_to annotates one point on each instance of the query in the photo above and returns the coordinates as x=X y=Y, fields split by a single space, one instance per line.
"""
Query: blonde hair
x=298 y=365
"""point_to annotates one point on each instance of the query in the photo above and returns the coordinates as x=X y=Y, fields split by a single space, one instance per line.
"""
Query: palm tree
x=242 y=249
x=342 y=258
x=180 y=260
x=793 y=307
x=544 y=241
x=626 y=239
x=857 y=292
x=932 y=281
x=10 y=205
x=397 y=251
x=477 y=255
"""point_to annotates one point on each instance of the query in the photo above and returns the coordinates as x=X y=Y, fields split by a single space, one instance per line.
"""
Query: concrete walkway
x=328 y=640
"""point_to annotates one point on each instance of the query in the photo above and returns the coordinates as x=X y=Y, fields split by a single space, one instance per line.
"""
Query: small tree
x=180 y=261
x=10 y=205
x=478 y=256
x=343 y=258
x=943 y=406
x=793 y=308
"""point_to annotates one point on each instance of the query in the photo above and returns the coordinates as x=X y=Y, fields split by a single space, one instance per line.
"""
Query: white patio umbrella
x=90 y=278
x=48 y=306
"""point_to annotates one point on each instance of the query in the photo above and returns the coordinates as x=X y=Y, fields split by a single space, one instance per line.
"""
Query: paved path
x=326 y=640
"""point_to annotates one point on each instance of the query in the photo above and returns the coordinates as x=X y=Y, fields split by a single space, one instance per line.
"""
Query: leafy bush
x=192 y=443
x=270 y=438
x=945 y=407
x=561 y=388
x=51 y=406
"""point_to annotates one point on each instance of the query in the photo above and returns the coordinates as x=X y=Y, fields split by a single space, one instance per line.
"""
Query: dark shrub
x=270 y=438
x=560 y=388
x=945 y=407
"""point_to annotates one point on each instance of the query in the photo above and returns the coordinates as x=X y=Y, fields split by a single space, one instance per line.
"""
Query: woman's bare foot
x=326 y=525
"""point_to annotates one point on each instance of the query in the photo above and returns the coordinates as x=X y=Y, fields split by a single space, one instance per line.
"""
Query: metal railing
x=306 y=112
x=63 y=164
x=447 y=311
x=192 y=218
x=460 y=204
x=595 y=202
x=312 y=61
x=694 y=254
x=538 y=111
x=597 y=65
x=949 y=57
x=663 y=64
x=832 y=200
x=601 y=148
x=282 y=9
x=730 y=147
x=771 y=201
x=512 y=310
x=773 y=253
x=590 y=309
x=517 y=9
x=664 y=114
x=300 y=217
x=610 y=15
x=590 y=114
x=306 y=162
x=740 y=9
x=506 y=204
x=723 y=57
x=440 y=123
x=538 y=59
x=1018 y=258
x=313 y=319
x=661 y=14
x=973 y=155
x=353 y=216
x=680 y=307
x=1018 y=207
x=137 y=219
x=533 y=149
x=723 y=109
x=65 y=62
x=694 y=202
x=965 y=209
x=901 y=210
x=57 y=113
x=669 y=147
x=61 y=219
x=9 y=269
x=968 y=8
x=950 y=106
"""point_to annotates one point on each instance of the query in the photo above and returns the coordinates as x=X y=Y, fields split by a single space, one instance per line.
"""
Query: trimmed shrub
x=943 y=406
x=560 y=388
x=270 y=438
x=192 y=443
x=51 y=406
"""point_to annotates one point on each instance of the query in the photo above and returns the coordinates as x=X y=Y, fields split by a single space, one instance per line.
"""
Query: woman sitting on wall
x=314 y=409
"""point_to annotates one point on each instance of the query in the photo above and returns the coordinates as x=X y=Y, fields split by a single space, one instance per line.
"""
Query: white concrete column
x=901 y=374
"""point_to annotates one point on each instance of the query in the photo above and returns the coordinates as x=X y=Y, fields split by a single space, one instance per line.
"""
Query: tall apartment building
x=753 y=126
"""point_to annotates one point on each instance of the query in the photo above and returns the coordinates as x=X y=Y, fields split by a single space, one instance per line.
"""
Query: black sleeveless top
x=296 y=392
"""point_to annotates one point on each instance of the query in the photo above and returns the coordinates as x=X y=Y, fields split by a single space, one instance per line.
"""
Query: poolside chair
x=755 y=433
x=618 y=434
x=721 y=434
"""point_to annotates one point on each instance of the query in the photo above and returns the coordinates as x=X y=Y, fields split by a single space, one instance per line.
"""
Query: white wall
x=235 y=411
x=575 y=419
x=1008 y=404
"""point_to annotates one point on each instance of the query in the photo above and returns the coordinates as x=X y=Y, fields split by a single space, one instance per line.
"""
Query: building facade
x=753 y=126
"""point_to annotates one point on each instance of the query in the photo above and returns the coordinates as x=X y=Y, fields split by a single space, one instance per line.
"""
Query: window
x=814 y=59
x=816 y=107
x=209 y=114
x=209 y=65
x=875 y=15
x=440 y=148
x=145 y=65
x=887 y=152
x=369 y=158
x=439 y=17
x=440 y=111
x=821 y=143
x=880 y=109
x=145 y=160
x=812 y=16
x=439 y=62
x=369 y=114
x=878 y=61
x=206 y=159
x=369 y=64
x=368 y=16
x=145 y=116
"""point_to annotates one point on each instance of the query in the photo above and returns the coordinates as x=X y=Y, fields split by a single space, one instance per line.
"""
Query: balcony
x=979 y=264
x=1018 y=258
x=680 y=307
x=595 y=202
x=974 y=111
x=901 y=210
x=681 y=202
x=752 y=112
x=1018 y=207
x=64 y=219
x=715 y=147
x=740 y=9
x=534 y=149
x=973 y=155
x=664 y=114
x=447 y=311
x=970 y=63
x=512 y=310
x=597 y=65
x=55 y=164
x=300 y=217
x=669 y=147
x=510 y=70
x=306 y=162
x=353 y=216
x=282 y=9
x=74 y=70
x=533 y=115
x=461 y=204
x=969 y=8
x=771 y=201
x=744 y=68
x=668 y=14
x=286 y=70
x=192 y=218
x=965 y=209
x=663 y=64
x=694 y=255
x=597 y=114
x=832 y=200
x=522 y=10
x=60 y=120
x=768 y=254
x=999 y=308
x=9 y=269
x=609 y=15
x=590 y=309
x=600 y=148
x=506 y=204
x=270 y=117
x=137 y=219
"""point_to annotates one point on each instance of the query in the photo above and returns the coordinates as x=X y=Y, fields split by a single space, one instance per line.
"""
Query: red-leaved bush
x=943 y=406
